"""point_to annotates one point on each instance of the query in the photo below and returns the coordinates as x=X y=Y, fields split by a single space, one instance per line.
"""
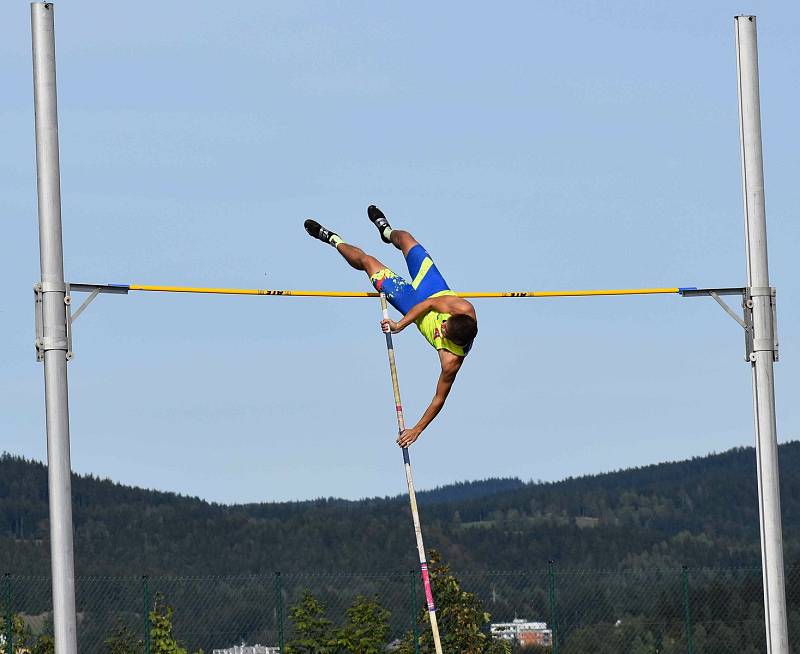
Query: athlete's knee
x=403 y=239
x=355 y=256
x=401 y=235
x=371 y=265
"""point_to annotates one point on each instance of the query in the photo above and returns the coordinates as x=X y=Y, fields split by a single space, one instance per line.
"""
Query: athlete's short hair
x=461 y=329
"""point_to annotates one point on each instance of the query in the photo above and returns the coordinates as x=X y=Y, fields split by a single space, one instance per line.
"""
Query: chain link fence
x=675 y=611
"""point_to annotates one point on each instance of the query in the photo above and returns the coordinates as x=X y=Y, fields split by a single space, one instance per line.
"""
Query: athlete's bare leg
x=402 y=240
x=355 y=256
x=359 y=259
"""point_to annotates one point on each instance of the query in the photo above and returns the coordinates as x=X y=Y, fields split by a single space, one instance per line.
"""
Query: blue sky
x=528 y=146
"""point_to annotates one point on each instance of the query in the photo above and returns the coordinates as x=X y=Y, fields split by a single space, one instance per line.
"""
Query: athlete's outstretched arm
x=413 y=313
x=451 y=364
x=442 y=304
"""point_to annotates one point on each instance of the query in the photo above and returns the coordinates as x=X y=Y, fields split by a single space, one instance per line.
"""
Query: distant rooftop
x=248 y=649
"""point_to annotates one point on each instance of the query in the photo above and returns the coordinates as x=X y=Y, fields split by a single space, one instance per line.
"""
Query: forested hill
x=467 y=490
x=701 y=512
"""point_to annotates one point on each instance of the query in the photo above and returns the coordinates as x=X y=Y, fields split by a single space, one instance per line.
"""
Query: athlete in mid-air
x=447 y=321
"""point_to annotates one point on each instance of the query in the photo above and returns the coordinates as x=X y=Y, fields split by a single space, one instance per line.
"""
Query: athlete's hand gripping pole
x=423 y=563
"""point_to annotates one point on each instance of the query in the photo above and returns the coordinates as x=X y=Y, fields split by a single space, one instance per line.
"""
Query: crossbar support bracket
x=74 y=316
x=39 y=289
x=727 y=309
x=751 y=345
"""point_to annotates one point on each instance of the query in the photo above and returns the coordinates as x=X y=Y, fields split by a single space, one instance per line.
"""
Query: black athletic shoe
x=379 y=220
x=318 y=231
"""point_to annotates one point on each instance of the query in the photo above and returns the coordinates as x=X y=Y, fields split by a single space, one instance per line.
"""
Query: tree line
x=701 y=513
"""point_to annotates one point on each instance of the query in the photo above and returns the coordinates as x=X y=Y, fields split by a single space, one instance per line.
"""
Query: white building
x=523 y=632
x=248 y=649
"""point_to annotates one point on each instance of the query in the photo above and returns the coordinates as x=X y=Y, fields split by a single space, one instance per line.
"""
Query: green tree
x=366 y=630
x=122 y=641
x=45 y=644
x=313 y=630
x=463 y=624
x=24 y=640
x=19 y=632
x=162 y=640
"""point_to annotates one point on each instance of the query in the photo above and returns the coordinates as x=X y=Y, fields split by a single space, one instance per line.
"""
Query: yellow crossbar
x=296 y=293
x=248 y=291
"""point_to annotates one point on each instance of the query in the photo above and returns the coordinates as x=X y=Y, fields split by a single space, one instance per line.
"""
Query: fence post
x=687 y=612
x=146 y=612
x=414 y=610
x=279 y=610
x=9 y=613
x=551 y=594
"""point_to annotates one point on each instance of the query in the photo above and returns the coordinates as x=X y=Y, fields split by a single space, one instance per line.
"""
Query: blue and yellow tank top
x=430 y=326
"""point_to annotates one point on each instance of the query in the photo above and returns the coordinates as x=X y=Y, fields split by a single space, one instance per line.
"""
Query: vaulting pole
x=763 y=336
x=53 y=341
x=423 y=563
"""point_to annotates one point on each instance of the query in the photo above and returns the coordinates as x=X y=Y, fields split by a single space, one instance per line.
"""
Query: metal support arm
x=43 y=344
x=727 y=309
x=74 y=316
x=752 y=345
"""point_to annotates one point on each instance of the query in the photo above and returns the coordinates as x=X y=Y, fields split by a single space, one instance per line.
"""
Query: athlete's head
x=461 y=329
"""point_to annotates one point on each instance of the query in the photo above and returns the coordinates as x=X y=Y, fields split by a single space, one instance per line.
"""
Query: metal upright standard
x=423 y=563
x=763 y=351
x=52 y=339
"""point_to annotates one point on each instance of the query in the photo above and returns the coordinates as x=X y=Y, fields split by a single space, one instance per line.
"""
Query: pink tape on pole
x=426 y=582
